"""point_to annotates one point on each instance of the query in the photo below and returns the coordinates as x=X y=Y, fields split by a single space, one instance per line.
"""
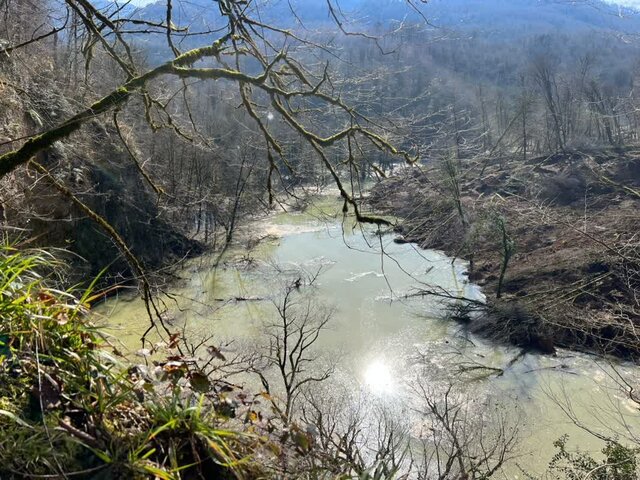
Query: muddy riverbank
x=570 y=226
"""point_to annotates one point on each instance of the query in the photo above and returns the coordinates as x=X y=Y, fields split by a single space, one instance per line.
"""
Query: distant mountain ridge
x=493 y=21
x=526 y=16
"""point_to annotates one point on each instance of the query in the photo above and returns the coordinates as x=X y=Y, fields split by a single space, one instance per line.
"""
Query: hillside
x=515 y=17
x=297 y=240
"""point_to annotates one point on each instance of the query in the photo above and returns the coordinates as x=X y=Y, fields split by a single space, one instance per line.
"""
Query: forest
x=319 y=239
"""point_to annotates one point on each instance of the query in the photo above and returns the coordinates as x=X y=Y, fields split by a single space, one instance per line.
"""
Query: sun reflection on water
x=379 y=378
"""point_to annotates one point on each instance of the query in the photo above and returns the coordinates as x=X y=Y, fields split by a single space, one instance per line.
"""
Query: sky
x=626 y=3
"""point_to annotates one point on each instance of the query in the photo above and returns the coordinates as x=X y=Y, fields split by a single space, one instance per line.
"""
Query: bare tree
x=545 y=76
x=460 y=440
x=355 y=436
x=291 y=340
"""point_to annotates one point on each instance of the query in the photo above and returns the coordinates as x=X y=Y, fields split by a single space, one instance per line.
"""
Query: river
x=380 y=342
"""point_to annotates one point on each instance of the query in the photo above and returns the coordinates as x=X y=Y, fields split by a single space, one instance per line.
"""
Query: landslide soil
x=573 y=280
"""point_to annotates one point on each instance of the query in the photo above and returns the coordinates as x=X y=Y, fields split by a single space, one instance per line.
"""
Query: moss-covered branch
x=39 y=142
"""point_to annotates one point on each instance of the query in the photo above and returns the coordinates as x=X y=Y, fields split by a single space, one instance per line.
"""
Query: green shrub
x=619 y=463
x=69 y=405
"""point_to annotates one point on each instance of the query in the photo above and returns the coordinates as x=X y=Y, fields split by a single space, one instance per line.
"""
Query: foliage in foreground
x=68 y=405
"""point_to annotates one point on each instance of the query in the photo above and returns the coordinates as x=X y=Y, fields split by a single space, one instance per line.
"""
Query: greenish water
x=381 y=343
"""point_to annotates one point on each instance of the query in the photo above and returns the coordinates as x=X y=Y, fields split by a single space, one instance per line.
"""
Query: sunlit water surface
x=381 y=341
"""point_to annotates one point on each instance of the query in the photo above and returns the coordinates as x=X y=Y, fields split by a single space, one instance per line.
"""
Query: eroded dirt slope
x=572 y=223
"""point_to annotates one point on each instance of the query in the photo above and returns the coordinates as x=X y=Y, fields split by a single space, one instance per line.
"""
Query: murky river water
x=380 y=342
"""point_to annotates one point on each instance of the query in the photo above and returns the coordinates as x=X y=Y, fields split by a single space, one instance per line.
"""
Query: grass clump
x=71 y=407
